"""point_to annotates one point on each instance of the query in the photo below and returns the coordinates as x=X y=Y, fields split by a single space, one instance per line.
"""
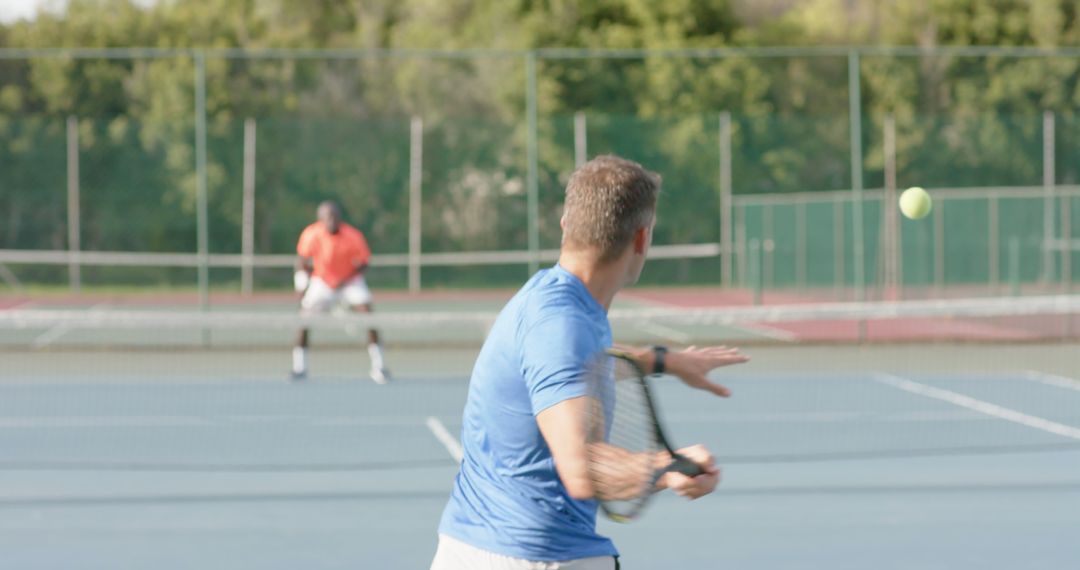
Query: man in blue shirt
x=523 y=498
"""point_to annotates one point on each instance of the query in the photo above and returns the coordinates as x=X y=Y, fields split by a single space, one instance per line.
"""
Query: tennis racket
x=628 y=451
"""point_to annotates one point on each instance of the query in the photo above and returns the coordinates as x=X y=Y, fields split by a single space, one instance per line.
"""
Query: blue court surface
x=842 y=467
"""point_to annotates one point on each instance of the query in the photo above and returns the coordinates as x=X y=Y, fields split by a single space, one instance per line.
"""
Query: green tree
x=339 y=126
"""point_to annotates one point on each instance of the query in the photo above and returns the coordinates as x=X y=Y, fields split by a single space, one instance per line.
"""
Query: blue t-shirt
x=508 y=498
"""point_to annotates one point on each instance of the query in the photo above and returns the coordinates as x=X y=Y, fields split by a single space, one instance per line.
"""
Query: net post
x=247 y=237
x=581 y=140
x=855 y=120
x=73 y=207
x=755 y=252
x=416 y=161
x=1014 y=266
x=1049 y=196
x=533 y=205
x=726 y=205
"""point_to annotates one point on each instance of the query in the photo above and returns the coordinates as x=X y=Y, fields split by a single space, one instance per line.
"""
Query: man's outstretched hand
x=693 y=365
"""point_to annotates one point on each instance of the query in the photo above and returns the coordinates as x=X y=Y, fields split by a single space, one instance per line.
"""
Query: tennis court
x=913 y=395
x=154 y=450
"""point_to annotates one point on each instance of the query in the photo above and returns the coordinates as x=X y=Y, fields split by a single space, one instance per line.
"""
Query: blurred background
x=448 y=129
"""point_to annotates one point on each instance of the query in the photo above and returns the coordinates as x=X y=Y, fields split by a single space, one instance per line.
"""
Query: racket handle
x=683 y=465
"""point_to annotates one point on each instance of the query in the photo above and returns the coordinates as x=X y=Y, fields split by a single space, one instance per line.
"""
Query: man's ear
x=562 y=223
x=641 y=240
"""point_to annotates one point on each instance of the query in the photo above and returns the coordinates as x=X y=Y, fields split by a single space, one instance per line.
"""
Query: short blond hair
x=607 y=200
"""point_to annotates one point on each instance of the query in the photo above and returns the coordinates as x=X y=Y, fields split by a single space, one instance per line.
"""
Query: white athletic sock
x=299 y=360
x=375 y=352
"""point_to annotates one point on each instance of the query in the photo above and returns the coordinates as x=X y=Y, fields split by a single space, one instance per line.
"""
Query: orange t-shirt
x=335 y=256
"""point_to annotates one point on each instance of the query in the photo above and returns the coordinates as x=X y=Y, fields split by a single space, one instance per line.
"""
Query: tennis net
x=464 y=323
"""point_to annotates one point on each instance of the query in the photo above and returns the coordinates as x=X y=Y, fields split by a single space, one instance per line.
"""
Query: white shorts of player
x=321 y=297
x=453 y=554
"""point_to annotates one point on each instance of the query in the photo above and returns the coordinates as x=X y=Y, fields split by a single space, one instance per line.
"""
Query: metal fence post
x=890 y=228
x=994 y=241
x=533 y=182
x=73 y=207
x=768 y=245
x=839 y=252
x=1014 y=266
x=726 y=205
x=1049 y=192
x=855 y=113
x=756 y=254
x=201 y=211
x=416 y=161
x=247 y=229
x=740 y=244
x=581 y=140
x=1066 y=241
x=939 y=244
x=800 y=244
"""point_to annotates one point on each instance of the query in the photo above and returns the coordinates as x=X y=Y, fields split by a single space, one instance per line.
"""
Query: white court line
x=665 y=332
x=656 y=329
x=773 y=333
x=323 y=421
x=105 y=422
x=201 y=421
x=829 y=417
x=1053 y=380
x=48 y=337
x=449 y=442
x=51 y=335
x=978 y=405
x=377 y=421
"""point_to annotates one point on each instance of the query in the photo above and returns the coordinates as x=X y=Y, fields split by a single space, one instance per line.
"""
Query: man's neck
x=602 y=281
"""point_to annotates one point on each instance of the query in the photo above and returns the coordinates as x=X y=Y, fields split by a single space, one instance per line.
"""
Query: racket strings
x=622 y=455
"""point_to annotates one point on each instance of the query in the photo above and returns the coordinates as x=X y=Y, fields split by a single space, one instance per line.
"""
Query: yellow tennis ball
x=915 y=203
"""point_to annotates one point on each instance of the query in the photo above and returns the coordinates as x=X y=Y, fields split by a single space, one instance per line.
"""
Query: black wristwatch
x=659 y=354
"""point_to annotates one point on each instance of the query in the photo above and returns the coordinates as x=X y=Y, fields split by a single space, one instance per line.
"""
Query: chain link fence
x=181 y=168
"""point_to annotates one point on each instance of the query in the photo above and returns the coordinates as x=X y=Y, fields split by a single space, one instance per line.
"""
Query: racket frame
x=679 y=462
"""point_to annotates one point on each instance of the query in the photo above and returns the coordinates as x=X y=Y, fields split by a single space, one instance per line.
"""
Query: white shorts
x=453 y=554
x=321 y=297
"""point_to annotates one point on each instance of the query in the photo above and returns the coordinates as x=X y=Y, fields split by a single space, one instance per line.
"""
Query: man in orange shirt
x=330 y=271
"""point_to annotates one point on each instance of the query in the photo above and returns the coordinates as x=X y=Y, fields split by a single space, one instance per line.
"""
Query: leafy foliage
x=338 y=126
